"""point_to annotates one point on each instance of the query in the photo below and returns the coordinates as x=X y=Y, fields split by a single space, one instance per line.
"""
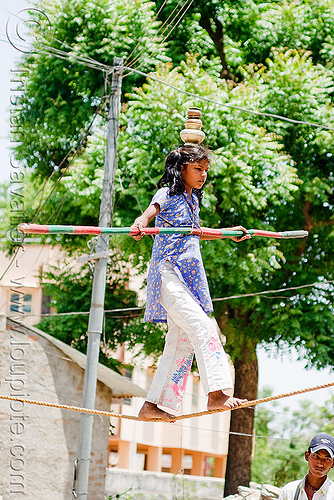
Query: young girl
x=177 y=290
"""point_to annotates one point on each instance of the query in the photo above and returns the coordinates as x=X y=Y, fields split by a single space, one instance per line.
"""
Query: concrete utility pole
x=95 y=325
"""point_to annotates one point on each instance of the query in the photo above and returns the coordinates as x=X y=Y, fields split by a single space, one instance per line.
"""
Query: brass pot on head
x=192 y=133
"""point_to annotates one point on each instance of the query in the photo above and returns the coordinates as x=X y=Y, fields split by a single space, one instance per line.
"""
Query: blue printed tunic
x=182 y=251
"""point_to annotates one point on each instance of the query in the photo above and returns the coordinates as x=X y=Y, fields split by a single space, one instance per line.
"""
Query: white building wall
x=38 y=445
x=23 y=277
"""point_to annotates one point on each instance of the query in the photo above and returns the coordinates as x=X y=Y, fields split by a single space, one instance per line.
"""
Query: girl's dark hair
x=181 y=156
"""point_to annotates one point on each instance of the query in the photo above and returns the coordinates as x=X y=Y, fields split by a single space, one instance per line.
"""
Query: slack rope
x=248 y=404
x=95 y=230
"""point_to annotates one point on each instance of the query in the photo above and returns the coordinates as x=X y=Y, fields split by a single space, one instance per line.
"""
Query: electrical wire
x=90 y=62
x=96 y=65
x=230 y=297
x=182 y=14
x=230 y=106
x=106 y=68
x=186 y=8
x=272 y=291
x=43 y=203
x=146 y=31
x=155 y=37
x=201 y=98
x=74 y=152
x=168 y=34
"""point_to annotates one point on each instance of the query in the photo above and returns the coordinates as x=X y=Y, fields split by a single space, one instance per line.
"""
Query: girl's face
x=194 y=175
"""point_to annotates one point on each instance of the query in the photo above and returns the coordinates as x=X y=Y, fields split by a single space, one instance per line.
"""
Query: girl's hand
x=139 y=226
x=240 y=238
x=143 y=220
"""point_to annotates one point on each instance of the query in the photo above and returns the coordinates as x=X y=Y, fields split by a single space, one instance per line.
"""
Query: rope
x=177 y=417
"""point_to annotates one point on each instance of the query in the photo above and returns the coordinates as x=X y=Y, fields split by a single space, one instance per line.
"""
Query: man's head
x=322 y=441
x=320 y=455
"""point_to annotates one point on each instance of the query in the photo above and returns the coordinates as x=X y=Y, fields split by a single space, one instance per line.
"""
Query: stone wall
x=144 y=485
x=39 y=444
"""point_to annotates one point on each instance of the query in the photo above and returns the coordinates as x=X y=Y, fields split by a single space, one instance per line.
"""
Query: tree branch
x=217 y=36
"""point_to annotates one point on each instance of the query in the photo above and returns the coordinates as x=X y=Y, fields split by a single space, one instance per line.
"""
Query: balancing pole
x=81 y=473
x=218 y=233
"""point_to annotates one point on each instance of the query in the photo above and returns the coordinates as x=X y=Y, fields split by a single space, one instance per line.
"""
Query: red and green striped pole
x=94 y=230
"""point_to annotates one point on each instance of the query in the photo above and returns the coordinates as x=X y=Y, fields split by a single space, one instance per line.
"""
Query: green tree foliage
x=283 y=437
x=69 y=289
x=305 y=91
x=266 y=172
x=241 y=185
x=61 y=95
x=302 y=25
x=234 y=33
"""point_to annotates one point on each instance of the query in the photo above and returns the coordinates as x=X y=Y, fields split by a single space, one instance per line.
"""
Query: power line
x=272 y=291
x=90 y=62
x=43 y=203
x=195 y=96
x=179 y=12
x=230 y=106
x=230 y=297
x=186 y=8
x=103 y=67
x=152 y=38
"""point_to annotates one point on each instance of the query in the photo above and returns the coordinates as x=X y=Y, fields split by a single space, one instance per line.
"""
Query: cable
x=74 y=153
x=230 y=297
x=108 y=69
x=271 y=291
x=206 y=99
x=164 y=39
x=152 y=38
x=161 y=34
x=256 y=436
x=186 y=8
x=230 y=106
x=42 y=204
x=48 y=390
x=157 y=34
x=96 y=65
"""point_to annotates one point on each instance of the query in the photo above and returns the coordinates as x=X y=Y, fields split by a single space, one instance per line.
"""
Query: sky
x=8 y=56
x=283 y=373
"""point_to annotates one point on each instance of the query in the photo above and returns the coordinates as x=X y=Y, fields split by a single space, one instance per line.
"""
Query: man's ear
x=307 y=456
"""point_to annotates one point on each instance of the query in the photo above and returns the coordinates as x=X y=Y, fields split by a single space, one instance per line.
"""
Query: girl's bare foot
x=217 y=400
x=150 y=410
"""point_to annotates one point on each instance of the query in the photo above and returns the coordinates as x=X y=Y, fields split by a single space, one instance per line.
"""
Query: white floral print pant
x=190 y=331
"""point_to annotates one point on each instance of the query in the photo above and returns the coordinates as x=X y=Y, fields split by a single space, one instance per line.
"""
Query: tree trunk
x=217 y=36
x=240 y=448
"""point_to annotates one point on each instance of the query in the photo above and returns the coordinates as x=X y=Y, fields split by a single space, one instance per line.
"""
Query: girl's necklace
x=192 y=207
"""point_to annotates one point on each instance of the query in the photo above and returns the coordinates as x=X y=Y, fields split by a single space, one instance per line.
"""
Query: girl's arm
x=145 y=218
x=236 y=238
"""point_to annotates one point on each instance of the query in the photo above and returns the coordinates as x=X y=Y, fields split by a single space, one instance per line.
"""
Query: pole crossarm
x=105 y=413
x=95 y=230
